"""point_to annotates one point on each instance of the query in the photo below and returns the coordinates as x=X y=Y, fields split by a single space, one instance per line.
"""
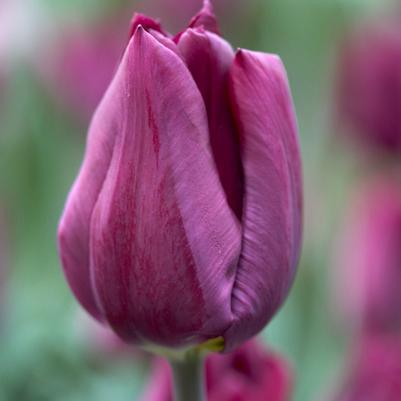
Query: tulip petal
x=273 y=199
x=146 y=22
x=73 y=232
x=75 y=222
x=154 y=28
x=205 y=19
x=164 y=242
x=209 y=59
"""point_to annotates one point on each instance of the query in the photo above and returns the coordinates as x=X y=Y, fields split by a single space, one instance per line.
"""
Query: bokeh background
x=56 y=58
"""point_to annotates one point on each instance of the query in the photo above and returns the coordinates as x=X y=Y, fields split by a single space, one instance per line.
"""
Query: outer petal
x=273 y=200
x=209 y=59
x=74 y=224
x=164 y=243
x=73 y=232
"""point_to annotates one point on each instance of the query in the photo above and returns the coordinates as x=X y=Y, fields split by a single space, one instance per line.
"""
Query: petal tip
x=205 y=18
x=140 y=32
x=207 y=6
x=246 y=58
x=146 y=22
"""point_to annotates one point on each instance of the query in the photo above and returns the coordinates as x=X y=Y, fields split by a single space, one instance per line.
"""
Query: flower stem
x=188 y=378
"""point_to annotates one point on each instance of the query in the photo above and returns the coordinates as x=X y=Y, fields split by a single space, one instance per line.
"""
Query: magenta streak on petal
x=273 y=199
x=209 y=59
x=164 y=243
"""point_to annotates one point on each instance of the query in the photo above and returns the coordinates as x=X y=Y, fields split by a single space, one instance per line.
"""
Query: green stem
x=188 y=378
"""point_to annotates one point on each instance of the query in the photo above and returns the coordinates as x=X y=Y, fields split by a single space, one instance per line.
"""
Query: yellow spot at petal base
x=213 y=345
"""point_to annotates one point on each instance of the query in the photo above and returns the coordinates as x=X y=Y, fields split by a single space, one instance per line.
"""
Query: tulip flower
x=369 y=258
x=250 y=373
x=184 y=224
x=374 y=373
x=369 y=92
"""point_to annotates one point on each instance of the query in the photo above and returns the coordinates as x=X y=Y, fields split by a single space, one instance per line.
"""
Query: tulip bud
x=369 y=258
x=250 y=373
x=370 y=86
x=184 y=223
x=374 y=373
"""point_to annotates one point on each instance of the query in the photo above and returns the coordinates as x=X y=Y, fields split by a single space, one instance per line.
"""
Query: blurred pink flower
x=374 y=373
x=81 y=62
x=369 y=88
x=368 y=258
x=251 y=373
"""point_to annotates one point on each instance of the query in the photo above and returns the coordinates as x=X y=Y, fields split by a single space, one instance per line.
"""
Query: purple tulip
x=184 y=223
x=374 y=373
x=370 y=86
x=369 y=258
x=250 y=373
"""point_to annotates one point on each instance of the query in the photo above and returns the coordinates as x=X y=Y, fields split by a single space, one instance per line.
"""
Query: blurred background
x=56 y=59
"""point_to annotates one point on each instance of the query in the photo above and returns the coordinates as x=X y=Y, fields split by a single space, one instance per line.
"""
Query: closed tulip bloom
x=374 y=373
x=184 y=223
x=369 y=258
x=250 y=373
x=370 y=86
